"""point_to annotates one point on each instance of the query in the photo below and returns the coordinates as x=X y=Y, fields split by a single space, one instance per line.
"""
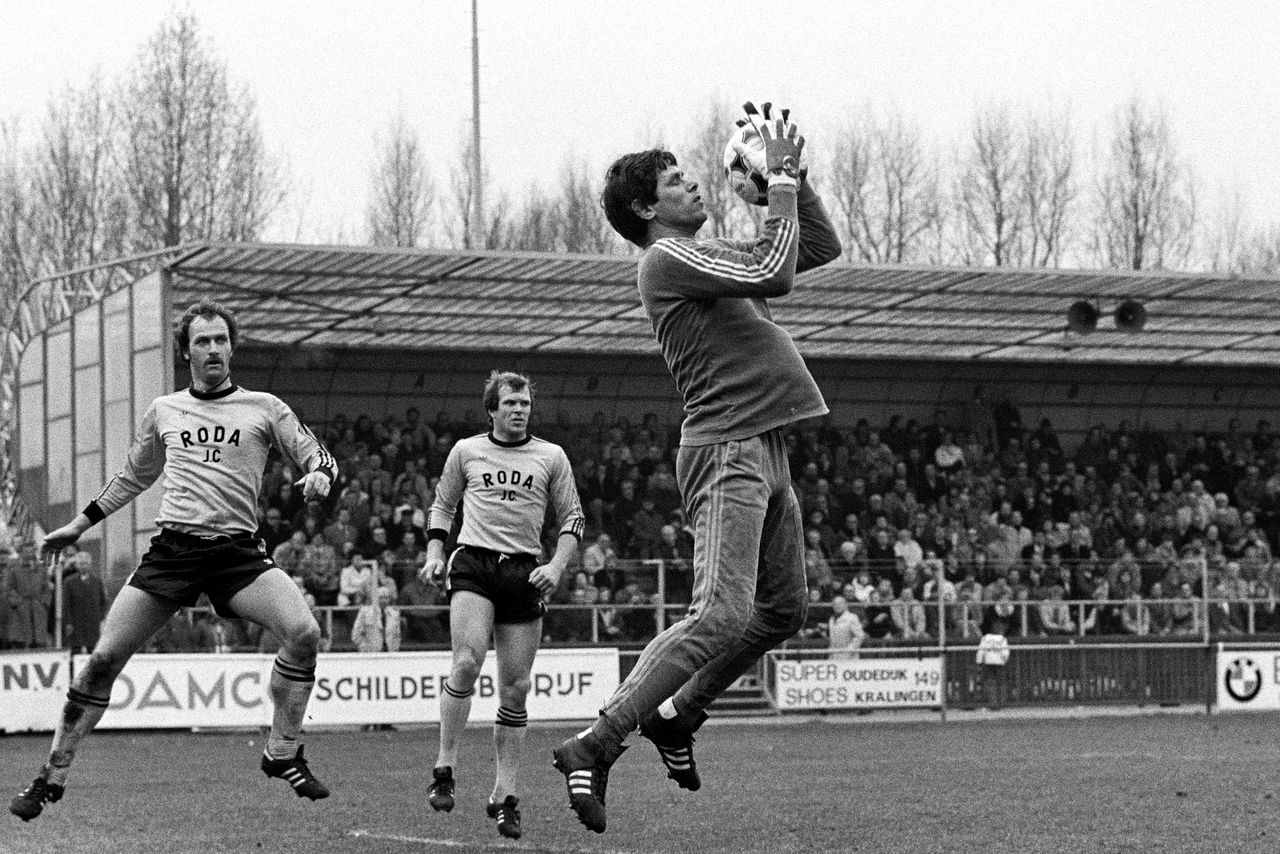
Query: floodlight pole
x=477 y=184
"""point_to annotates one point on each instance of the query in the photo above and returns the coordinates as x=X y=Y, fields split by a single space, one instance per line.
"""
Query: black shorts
x=179 y=567
x=502 y=579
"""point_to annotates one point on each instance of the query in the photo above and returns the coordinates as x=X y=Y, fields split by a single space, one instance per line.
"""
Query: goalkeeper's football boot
x=585 y=764
x=296 y=773
x=440 y=793
x=674 y=739
x=30 y=802
x=507 y=816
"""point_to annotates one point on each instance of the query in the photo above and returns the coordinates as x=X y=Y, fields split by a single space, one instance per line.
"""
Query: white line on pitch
x=488 y=846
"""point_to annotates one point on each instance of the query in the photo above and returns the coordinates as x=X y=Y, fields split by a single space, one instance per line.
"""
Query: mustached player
x=210 y=443
x=743 y=381
x=505 y=480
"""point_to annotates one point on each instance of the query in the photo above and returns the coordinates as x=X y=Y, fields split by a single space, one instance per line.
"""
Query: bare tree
x=460 y=212
x=16 y=262
x=1226 y=241
x=194 y=161
x=400 y=188
x=1049 y=190
x=1259 y=253
x=537 y=227
x=702 y=158
x=989 y=194
x=583 y=224
x=1146 y=195
x=79 y=212
x=884 y=191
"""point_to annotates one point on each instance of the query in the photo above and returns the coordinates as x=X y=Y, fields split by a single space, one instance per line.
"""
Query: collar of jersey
x=517 y=443
x=211 y=395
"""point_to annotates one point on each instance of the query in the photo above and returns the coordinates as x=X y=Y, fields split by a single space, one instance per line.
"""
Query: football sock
x=651 y=681
x=80 y=715
x=508 y=742
x=290 y=690
x=455 y=709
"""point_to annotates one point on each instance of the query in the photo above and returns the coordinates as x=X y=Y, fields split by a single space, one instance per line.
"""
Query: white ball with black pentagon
x=747 y=184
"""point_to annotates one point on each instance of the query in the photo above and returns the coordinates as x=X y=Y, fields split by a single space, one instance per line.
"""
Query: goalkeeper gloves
x=780 y=159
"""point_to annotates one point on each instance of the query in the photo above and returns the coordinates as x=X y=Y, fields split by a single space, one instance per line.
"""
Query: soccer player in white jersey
x=210 y=442
x=505 y=479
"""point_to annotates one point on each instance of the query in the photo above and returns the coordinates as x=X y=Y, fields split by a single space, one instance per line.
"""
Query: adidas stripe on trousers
x=749 y=591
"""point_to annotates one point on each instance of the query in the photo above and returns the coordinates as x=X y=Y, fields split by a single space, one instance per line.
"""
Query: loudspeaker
x=1130 y=316
x=1082 y=317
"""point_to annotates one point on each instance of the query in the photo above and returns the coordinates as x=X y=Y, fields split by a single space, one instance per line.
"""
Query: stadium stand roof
x=362 y=297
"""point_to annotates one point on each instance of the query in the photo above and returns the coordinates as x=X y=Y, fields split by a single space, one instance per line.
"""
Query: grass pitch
x=1164 y=783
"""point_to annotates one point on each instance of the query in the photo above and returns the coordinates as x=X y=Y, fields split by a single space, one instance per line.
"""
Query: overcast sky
x=599 y=77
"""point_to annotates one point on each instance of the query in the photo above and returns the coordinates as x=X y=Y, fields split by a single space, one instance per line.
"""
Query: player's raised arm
x=819 y=243
x=301 y=446
x=142 y=467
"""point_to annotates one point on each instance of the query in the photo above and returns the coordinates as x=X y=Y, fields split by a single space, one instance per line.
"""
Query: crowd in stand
x=919 y=528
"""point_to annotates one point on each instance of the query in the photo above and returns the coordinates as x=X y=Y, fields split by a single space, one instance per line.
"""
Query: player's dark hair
x=208 y=309
x=498 y=379
x=633 y=178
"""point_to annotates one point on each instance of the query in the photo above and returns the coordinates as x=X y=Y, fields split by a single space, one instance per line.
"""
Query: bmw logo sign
x=1243 y=680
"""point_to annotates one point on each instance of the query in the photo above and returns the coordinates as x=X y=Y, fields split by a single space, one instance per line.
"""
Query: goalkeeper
x=743 y=382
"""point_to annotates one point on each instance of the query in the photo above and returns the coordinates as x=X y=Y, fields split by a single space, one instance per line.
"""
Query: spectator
x=216 y=634
x=84 y=604
x=1135 y=616
x=374 y=541
x=422 y=627
x=1184 y=612
x=1055 y=614
x=1161 y=610
x=274 y=530
x=907 y=549
x=176 y=635
x=949 y=458
x=356 y=581
x=646 y=530
x=816 y=568
x=377 y=624
x=318 y=569
x=879 y=622
x=26 y=592
x=908 y=616
x=993 y=655
x=409 y=556
x=844 y=630
x=608 y=620
x=1101 y=615
x=600 y=563
x=288 y=555
x=341 y=530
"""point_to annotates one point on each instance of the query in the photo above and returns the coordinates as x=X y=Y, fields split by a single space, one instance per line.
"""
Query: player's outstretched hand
x=783 y=145
x=314 y=485
x=545 y=577
x=55 y=541
x=432 y=571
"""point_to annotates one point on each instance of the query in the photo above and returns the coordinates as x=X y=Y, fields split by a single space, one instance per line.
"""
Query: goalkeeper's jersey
x=505 y=488
x=738 y=371
x=212 y=450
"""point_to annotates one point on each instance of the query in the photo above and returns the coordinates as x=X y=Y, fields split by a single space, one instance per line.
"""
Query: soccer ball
x=748 y=185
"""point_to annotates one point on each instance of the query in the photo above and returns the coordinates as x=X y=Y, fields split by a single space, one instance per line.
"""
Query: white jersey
x=505 y=488
x=212 y=449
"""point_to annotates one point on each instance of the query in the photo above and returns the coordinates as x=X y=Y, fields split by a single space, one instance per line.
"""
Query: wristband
x=778 y=179
x=93 y=512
